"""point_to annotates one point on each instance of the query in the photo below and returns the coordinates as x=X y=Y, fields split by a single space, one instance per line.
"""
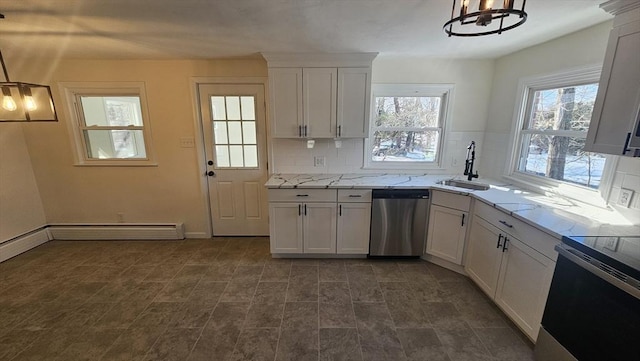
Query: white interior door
x=233 y=125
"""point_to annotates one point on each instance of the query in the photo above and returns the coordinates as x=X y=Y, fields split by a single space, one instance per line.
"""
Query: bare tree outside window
x=407 y=129
x=554 y=135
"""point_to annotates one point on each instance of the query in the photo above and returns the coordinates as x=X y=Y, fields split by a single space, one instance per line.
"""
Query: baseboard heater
x=23 y=243
x=116 y=231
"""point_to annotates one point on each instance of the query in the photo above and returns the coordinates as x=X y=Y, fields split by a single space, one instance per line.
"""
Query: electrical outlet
x=318 y=161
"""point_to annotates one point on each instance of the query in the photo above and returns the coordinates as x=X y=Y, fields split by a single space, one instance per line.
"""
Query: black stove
x=619 y=252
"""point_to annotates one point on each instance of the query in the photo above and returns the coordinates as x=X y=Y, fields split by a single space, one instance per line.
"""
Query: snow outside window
x=554 y=117
x=407 y=126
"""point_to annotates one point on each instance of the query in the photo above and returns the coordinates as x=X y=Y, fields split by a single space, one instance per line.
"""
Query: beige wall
x=169 y=192
x=21 y=209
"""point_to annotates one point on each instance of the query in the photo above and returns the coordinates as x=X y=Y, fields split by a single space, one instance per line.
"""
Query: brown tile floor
x=227 y=299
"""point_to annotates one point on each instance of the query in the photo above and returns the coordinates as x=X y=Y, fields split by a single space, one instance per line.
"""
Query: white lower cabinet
x=285 y=227
x=316 y=221
x=516 y=276
x=448 y=218
x=523 y=285
x=319 y=227
x=353 y=228
x=484 y=255
x=303 y=227
x=447 y=231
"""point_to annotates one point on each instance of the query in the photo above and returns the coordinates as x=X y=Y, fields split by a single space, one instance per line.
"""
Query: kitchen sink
x=464 y=184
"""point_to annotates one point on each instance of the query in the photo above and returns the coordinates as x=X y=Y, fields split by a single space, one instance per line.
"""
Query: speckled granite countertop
x=554 y=215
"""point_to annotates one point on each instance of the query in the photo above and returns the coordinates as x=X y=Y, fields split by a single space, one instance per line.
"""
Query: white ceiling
x=160 y=29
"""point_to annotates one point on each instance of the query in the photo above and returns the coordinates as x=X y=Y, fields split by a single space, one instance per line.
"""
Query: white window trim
x=587 y=74
x=440 y=90
x=70 y=90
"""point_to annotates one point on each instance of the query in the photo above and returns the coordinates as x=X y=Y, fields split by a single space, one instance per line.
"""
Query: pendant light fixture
x=489 y=18
x=25 y=102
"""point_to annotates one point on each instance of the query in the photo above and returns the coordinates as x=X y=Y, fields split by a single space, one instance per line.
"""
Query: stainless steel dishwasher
x=399 y=222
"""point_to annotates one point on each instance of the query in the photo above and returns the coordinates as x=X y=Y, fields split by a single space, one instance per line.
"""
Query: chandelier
x=25 y=102
x=488 y=19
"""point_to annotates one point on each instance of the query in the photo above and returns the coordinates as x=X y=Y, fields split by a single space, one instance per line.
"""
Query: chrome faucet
x=468 y=164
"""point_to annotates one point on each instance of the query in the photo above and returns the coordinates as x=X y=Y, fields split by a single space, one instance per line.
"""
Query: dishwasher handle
x=400 y=194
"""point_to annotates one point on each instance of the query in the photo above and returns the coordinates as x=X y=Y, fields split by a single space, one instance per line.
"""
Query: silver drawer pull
x=506 y=224
x=354 y=196
x=302 y=195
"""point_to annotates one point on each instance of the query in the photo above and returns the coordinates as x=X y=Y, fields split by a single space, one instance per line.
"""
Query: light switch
x=187 y=142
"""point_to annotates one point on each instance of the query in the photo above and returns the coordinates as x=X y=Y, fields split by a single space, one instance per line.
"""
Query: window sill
x=403 y=167
x=110 y=163
x=575 y=193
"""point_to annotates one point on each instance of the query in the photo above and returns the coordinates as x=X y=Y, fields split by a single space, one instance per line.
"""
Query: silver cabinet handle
x=340 y=210
x=299 y=130
x=305 y=131
x=299 y=209
x=499 y=239
x=506 y=224
x=462 y=225
x=339 y=130
x=355 y=196
x=302 y=195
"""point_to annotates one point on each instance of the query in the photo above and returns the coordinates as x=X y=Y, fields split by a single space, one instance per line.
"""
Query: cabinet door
x=616 y=106
x=285 y=91
x=523 y=286
x=319 y=100
x=285 y=227
x=354 y=94
x=447 y=231
x=483 y=257
x=320 y=223
x=353 y=228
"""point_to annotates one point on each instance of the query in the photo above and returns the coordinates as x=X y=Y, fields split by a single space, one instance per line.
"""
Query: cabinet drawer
x=302 y=195
x=451 y=200
x=531 y=236
x=354 y=195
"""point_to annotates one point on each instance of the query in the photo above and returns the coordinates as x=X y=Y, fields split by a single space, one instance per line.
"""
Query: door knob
x=211 y=173
x=210 y=162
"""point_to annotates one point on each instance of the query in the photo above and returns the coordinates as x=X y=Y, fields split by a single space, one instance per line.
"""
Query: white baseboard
x=116 y=231
x=23 y=243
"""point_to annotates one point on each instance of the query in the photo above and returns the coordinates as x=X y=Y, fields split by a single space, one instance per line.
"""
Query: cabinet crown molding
x=616 y=7
x=309 y=60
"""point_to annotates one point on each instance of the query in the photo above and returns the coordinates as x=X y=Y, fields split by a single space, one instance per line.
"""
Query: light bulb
x=29 y=103
x=7 y=100
x=8 y=103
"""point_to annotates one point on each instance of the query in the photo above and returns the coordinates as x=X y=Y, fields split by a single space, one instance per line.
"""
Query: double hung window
x=552 y=128
x=110 y=124
x=407 y=126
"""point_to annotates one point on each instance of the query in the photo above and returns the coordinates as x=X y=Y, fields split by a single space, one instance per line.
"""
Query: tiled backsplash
x=627 y=176
x=293 y=156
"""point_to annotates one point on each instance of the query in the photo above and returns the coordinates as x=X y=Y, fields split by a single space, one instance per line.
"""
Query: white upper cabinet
x=319 y=96
x=615 y=113
x=285 y=89
x=319 y=89
x=354 y=98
